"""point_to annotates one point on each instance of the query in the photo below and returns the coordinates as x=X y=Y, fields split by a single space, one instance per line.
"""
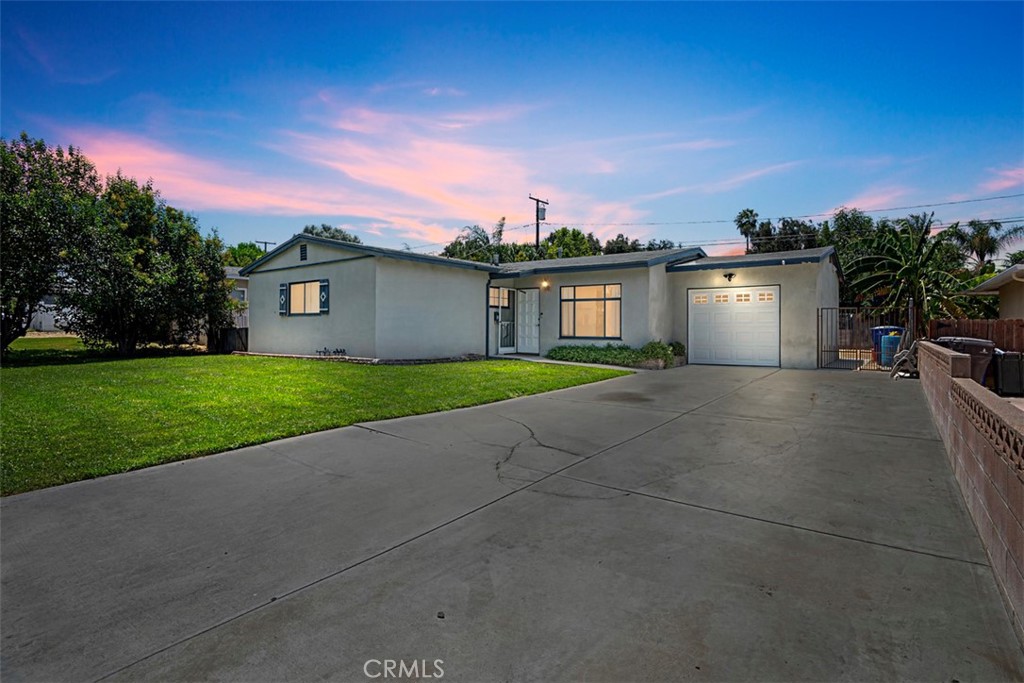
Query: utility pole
x=541 y=215
x=265 y=244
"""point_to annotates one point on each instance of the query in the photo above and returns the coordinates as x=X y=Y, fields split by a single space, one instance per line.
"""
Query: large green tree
x=905 y=262
x=568 y=243
x=143 y=273
x=331 y=232
x=621 y=244
x=476 y=244
x=981 y=241
x=242 y=254
x=47 y=198
x=762 y=236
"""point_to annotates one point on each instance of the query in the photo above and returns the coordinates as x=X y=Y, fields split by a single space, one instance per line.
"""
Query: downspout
x=487 y=319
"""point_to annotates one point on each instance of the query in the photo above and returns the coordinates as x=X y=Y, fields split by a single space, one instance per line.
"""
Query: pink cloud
x=874 y=199
x=699 y=145
x=1003 y=180
x=726 y=249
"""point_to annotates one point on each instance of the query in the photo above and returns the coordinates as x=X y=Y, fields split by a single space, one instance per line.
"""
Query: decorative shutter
x=282 y=300
x=325 y=296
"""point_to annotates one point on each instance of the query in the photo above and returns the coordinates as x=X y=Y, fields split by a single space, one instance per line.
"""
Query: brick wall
x=984 y=438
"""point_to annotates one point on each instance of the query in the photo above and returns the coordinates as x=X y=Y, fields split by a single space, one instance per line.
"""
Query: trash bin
x=980 y=351
x=1009 y=370
x=889 y=344
x=876 y=339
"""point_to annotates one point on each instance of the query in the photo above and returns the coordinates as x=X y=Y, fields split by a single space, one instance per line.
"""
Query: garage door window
x=591 y=312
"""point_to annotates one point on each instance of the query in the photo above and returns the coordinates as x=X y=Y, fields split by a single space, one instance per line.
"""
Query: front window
x=592 y=311
x=304 y=298
x=499 y=297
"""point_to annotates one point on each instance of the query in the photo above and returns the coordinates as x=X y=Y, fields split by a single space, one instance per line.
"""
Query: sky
x=403 y=122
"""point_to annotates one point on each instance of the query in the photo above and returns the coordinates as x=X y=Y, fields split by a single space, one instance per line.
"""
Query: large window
x=304 y=298
x=592 y=311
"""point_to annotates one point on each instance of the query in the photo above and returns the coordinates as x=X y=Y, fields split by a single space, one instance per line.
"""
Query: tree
x=143 y=273
x=622 y=245
x=476 y=244
x=242 y=254
x=906 y=263
x=331 y=232
x=763 y=237
x=657 y=245
x=47 y=196
x=982 y=241
x=1013 y=258
x=567 y=243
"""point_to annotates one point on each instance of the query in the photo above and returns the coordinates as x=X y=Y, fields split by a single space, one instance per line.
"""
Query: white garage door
x=734 y=326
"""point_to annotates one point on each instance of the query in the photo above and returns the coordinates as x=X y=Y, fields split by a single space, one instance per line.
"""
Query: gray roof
x=635 y=259
x=234 y=272
x=372 y=251
x=992 y=285
x=778 y=258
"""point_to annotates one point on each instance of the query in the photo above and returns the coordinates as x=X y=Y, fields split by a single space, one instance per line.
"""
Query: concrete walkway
x=694 y=524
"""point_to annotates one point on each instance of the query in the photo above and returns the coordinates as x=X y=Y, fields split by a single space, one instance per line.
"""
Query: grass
x=81 y=416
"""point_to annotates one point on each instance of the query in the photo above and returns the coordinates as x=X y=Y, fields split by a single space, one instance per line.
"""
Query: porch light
x=545 y=285
x=730 y=276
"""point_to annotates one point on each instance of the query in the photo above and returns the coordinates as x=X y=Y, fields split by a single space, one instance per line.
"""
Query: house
x=312 y=293
x=239 y=292
x=1009 y=287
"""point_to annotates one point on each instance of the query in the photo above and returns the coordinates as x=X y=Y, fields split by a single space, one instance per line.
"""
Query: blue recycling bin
x=876 y=339
x=888 y=349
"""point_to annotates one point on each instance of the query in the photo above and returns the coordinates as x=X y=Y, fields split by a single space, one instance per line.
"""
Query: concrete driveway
x=694 y=524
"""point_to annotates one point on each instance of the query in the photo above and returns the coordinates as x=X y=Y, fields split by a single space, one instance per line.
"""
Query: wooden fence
x=1007 y=334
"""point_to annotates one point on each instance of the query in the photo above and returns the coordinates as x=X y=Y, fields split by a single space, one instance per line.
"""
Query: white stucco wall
x=799 y=297
x=428 y=311
x=1011 y=300
x=350 y=323
x=636 y=330
x=659 y=306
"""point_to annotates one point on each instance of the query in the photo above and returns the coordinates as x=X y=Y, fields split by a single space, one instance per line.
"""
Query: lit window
x=592 y=311
x=764 y=297
x=700 y=298
x=721 y=298
x=743 y=298
x=499 y=297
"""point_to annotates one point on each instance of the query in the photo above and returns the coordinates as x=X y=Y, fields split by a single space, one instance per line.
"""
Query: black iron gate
x=846 y=339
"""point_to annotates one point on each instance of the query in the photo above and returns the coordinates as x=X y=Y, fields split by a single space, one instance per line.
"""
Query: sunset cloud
x=725 y=184
x=1004 y=180
x=874 y=199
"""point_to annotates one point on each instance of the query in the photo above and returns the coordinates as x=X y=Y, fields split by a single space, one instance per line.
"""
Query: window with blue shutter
x=282 y=300
x=325 y=296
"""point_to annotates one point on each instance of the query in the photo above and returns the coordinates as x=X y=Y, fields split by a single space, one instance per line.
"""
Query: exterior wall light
x=730 y=276
x=545 y=285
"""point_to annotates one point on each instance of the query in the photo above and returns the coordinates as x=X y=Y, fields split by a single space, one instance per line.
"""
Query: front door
x=528 y=321
x=506 y=320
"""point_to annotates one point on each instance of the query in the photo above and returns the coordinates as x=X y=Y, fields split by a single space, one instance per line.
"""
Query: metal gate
x=845 y=339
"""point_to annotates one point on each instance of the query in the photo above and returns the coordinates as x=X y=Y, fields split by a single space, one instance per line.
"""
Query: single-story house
x=1009 y=287
x=312 y=293
x=239 y=292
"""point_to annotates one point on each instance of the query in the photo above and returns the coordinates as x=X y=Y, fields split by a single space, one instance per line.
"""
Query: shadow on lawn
x=20 y=358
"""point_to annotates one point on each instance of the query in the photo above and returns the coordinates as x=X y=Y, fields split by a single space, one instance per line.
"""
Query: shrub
x=658 y=350
x=613 y=354
x=678 y=348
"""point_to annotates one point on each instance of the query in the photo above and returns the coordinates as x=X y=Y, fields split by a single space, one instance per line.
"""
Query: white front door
x=528 y=320
x=733 y=326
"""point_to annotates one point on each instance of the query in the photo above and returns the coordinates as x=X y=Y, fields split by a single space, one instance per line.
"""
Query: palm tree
x=982 y=241
x=906 y=263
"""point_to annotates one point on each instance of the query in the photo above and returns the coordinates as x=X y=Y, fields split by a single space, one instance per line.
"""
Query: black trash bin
x=980 y=351
x=1009 y=370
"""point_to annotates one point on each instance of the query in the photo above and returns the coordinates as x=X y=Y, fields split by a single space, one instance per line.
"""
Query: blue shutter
x=325 y=296
x=282 y=300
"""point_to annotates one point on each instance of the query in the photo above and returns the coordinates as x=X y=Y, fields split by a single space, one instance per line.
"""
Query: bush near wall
x=656 y=353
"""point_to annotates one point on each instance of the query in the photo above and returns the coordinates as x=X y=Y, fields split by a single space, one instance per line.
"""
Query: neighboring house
x=1009 y=287
x=313 y=293
x=44 y=318
x=239 y=292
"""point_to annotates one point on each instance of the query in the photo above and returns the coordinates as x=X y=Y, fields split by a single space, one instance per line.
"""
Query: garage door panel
x=734 y=326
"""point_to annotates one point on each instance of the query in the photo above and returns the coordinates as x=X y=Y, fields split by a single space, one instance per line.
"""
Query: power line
x=732 y=220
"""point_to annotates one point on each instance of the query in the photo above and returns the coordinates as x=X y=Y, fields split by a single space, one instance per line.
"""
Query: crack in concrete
x=394 y=436
x=302 y=463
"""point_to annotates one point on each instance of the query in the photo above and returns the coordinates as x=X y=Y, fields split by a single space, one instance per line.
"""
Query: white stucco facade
x=395 y=305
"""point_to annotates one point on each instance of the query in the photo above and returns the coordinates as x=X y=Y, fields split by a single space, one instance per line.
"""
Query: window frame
x=320 y=285
x=562 y=300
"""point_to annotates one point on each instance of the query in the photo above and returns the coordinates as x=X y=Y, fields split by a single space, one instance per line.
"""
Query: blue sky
x=404 y=122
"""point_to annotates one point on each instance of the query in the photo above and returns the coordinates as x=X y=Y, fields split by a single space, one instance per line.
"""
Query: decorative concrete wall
x=984 y=438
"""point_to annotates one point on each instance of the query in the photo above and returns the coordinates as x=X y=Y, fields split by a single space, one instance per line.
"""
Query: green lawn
x=66 y=415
